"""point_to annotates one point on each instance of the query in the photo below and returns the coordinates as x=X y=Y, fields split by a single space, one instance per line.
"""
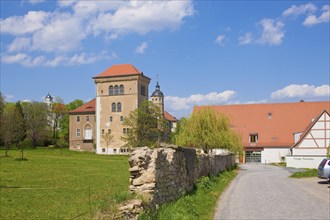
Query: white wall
x=309 y=152
x=273 y=155
x=311 y=162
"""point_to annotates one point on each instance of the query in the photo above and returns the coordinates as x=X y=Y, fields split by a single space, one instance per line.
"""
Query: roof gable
x=88 y=107
x=169 y=117
x=316 y=133
x=120 y=70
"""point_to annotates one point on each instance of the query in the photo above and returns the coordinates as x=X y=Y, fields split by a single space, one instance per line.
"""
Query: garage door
x=253 y=156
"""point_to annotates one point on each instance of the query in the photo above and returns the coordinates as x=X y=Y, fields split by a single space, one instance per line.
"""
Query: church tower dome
x=49 y=100
x=157 y=98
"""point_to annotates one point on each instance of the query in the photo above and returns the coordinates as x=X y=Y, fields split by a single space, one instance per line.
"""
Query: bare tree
x=107 y=138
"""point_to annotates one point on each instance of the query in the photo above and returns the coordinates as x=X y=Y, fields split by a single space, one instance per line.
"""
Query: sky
x=201 y=52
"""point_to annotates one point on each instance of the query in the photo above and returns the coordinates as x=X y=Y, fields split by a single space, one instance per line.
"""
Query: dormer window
x=253 y=138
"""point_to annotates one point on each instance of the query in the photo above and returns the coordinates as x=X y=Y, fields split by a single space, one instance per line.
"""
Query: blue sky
x=203 y=52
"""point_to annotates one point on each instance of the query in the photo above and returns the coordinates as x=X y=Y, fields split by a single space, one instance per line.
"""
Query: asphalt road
x=265 y=192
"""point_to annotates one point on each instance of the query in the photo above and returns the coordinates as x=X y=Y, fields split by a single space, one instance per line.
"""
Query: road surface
x=265 y=192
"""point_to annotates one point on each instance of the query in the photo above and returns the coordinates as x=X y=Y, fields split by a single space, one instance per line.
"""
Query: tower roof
x=48 y=96
x=120 y=70
x=157 y=92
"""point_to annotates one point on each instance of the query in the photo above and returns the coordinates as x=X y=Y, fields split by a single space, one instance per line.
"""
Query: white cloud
x=76 y=59
x=62 y=33
x=245 y=39
x=220 y=39
x=36 y=1
x=17 y=58
x=301 y=9
x=323 y=18
x=19 y=43
x=301 y=91
x=183 y=103
x=141 y=48
x=272 y=32
x=72 y=23
x=143 y=17
x=8 y=97
x=29 y=23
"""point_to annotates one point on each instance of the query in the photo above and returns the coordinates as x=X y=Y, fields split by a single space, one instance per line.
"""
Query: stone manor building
x=119 y=90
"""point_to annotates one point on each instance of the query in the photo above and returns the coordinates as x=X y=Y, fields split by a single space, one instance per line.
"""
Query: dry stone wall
x=164 y=174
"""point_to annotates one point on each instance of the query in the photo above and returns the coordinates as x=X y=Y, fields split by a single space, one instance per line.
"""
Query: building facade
x=269 y=131
x=311 y=145
x=119 y=90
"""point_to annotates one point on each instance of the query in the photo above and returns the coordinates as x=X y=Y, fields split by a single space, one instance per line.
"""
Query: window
x=88 y=132
x=103 y=150
x=121 y=89
x=110 y=118
x=78 y=118
x=102 y=131
x=113 y=107
x=78 y=132
x=143 y=90
x=111 y=90
x=116 y=90
x=114 y=150
x=109 y=131
x=121 y=118
x=253 y=138
x=125 y=130
x=87 y=118
x=118 y=107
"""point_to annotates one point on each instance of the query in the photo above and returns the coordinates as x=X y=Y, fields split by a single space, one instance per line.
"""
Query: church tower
x=49 y=100
x=157 y=98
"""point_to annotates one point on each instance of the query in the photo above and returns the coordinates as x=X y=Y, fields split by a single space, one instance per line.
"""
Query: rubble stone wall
x=164 y=174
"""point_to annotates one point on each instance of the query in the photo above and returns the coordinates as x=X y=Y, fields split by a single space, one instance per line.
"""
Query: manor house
x=119 y=90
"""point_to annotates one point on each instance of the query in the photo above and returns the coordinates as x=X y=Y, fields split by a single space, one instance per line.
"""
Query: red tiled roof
x=169 y=117
x=88 y=107
x=275 y=123
x=119 y=70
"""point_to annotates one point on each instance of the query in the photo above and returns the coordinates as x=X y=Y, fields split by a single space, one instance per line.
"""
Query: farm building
x=269 y=131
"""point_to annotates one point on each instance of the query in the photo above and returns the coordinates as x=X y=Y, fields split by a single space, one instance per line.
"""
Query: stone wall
x=164 y=174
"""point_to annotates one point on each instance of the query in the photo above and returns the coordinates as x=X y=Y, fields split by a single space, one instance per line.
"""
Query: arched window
x=88 y=132
x=116 y=90
x=111 y=90
x=121 y=89
x=113 y=107
x=118 y=107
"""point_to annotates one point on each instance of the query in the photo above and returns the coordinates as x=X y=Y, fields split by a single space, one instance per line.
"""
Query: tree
x=207 y=130
x=37 y=124
x=107 y=138
x=2 y=110
x=56 y=114
x=145 y=126
x=6 y=131
x=17 y=126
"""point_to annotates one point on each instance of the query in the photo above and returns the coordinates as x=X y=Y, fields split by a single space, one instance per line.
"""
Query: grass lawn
x=199 y=204
x=55 y=185
x=306 y=173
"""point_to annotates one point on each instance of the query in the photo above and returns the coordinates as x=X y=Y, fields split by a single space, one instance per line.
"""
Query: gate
x=253 y=156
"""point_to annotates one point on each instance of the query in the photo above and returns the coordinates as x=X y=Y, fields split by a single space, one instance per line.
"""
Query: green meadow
x=55 y=184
